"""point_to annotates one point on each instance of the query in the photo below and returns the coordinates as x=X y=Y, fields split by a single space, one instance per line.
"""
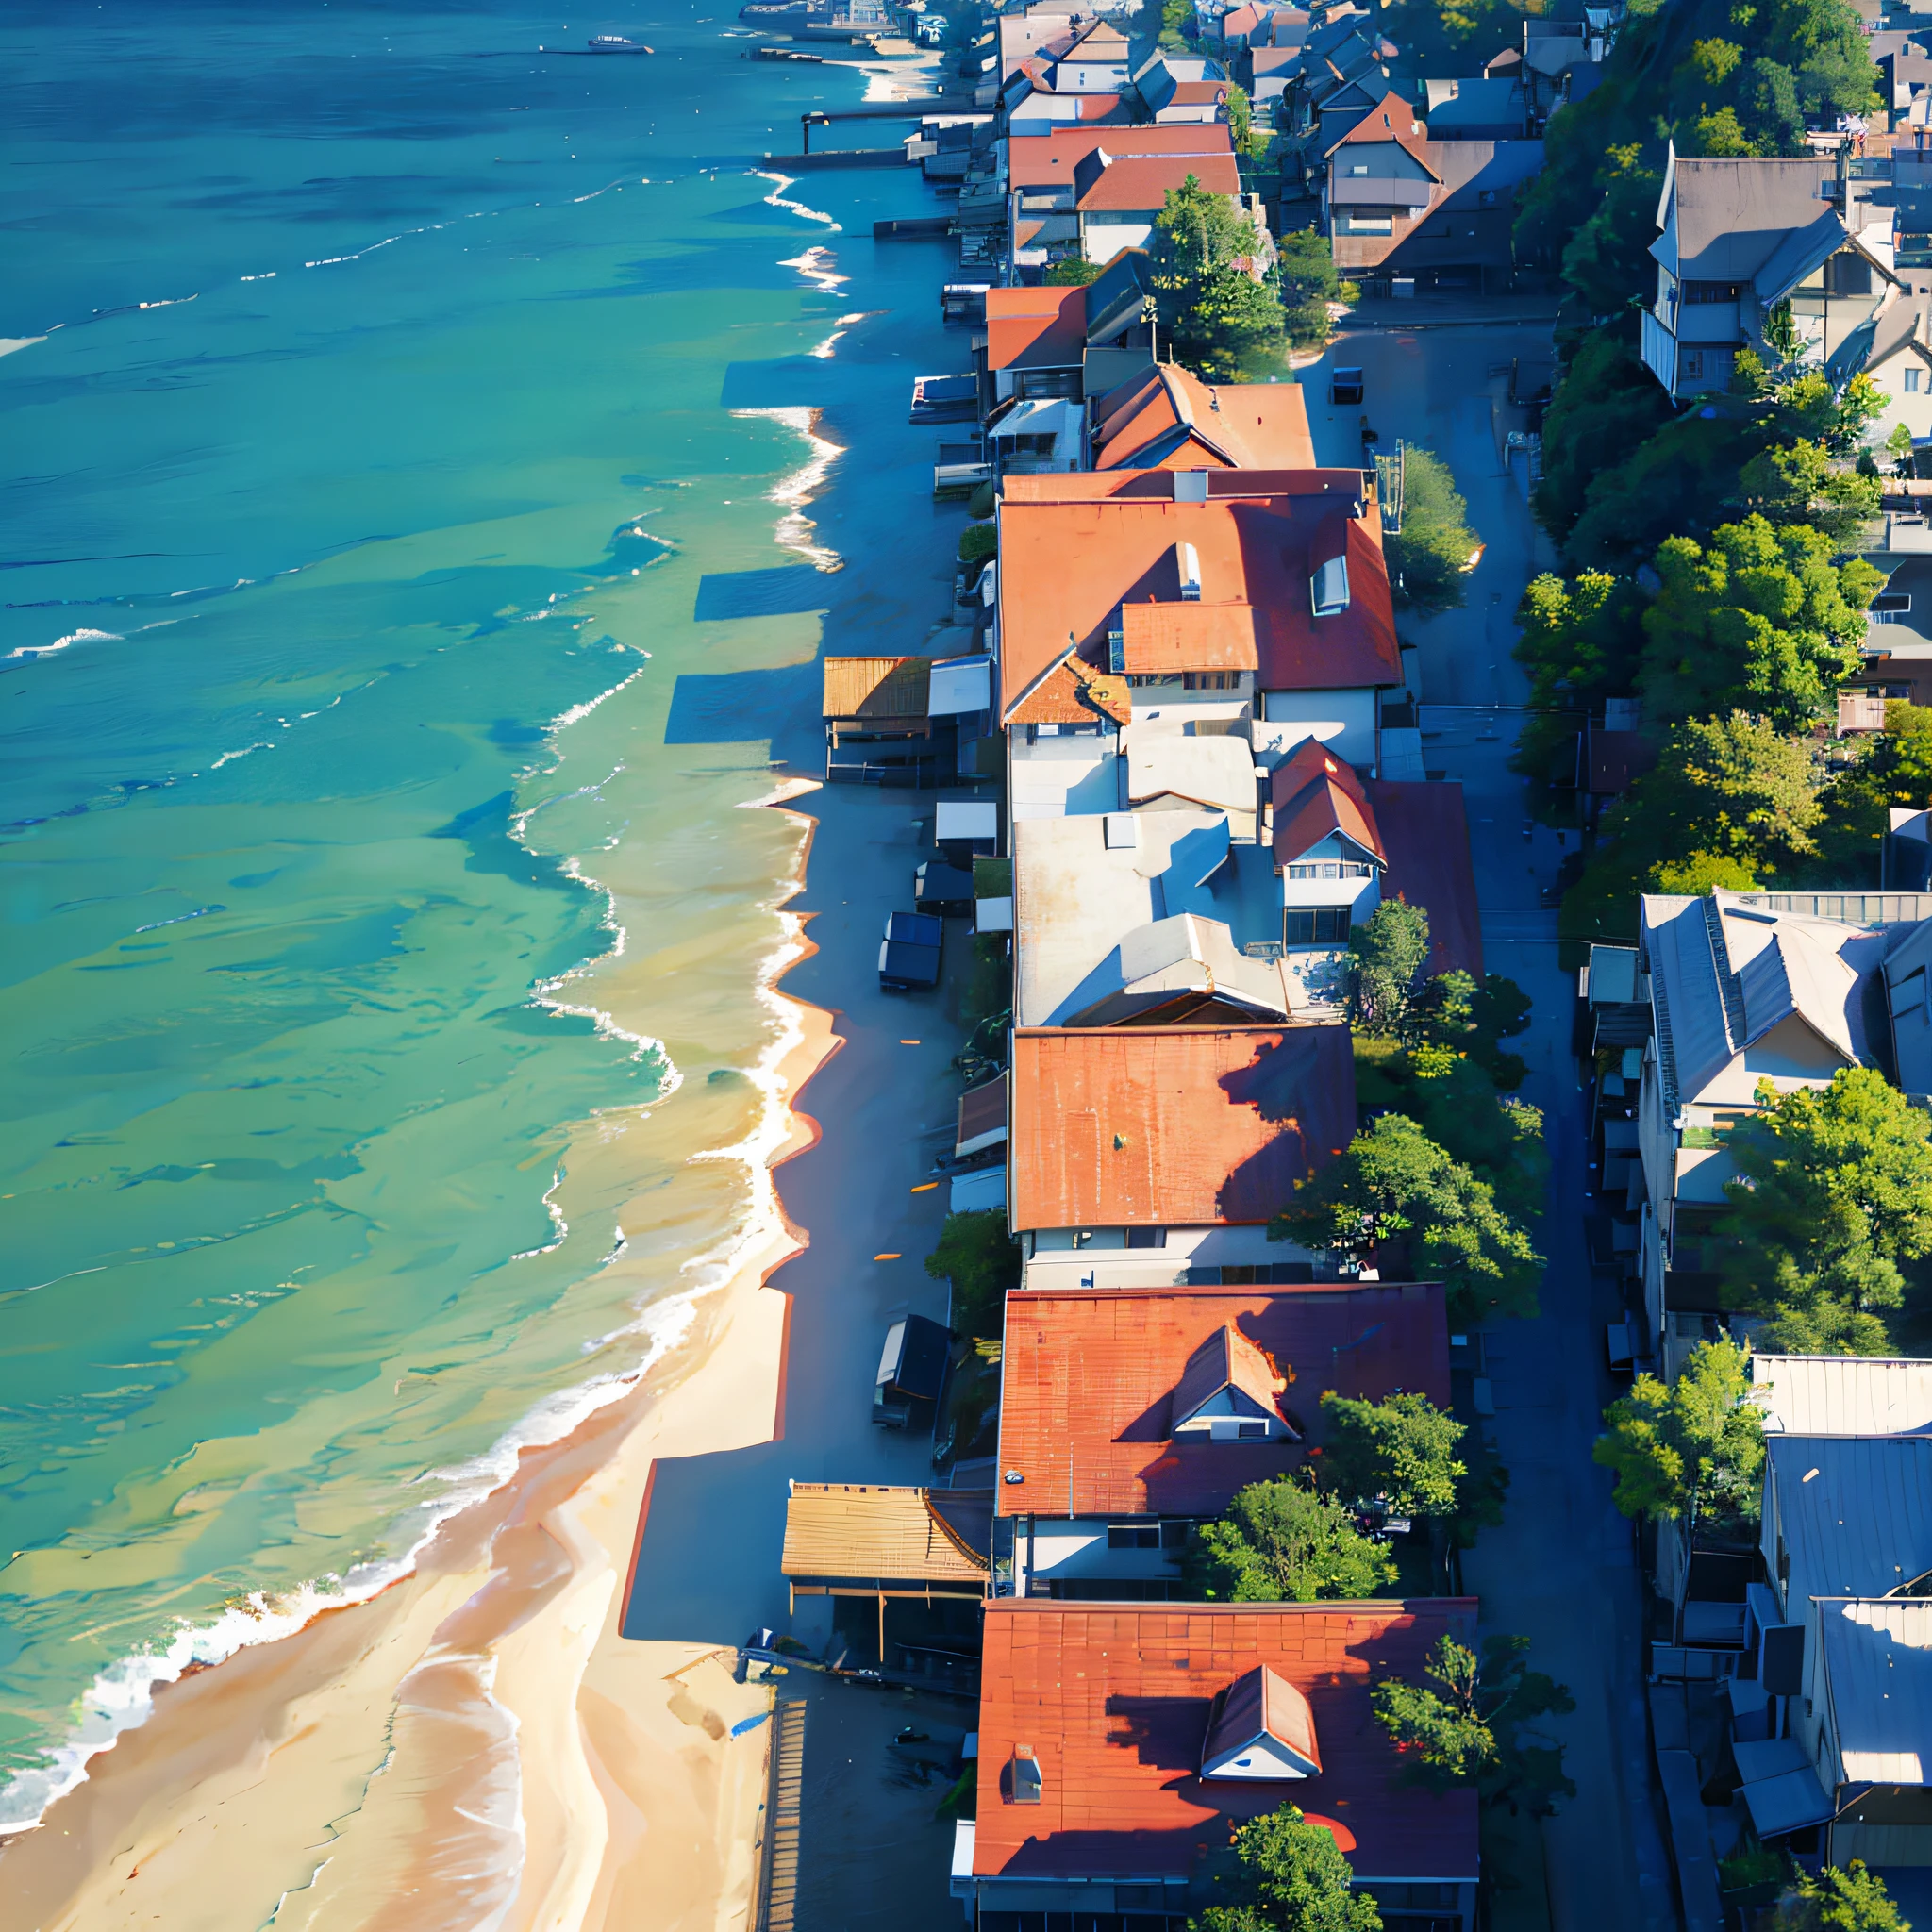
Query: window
x=1146 y=1237
x=1329 y=869
x=1251 y=1432
x=1174 y=1532
x=1712 y=292
x=1328 y=588
x=1358 y=168
x=1317 y=926
x=1210 y=680
x=1485 y=197
x=1847 y=275
x=1912 y=375
x=1141 y=680
x=1367 y=222
x=1890 y=607
x=1133 y=1536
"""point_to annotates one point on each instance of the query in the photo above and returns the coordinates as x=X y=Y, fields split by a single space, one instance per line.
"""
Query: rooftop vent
x=1328 y=588
x=1191 y=486
x=1187 y=563
x=1027 y=1783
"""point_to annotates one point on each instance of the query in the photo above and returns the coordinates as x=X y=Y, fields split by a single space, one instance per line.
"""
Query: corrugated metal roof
x=1088 y=1381
x=1114 y=1701
x=1855 y=1512
x=1842 y=1394
x=876 y=687
x=1162 y=639
x=869 y=1530
x=1877 y=1662
x=1173 y=1127
x=1424 y=831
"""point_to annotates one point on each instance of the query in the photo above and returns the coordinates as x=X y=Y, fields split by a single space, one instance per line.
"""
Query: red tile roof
x=1227 y=1359
x=1050 y=160
x=1314 y=794
x=1073 y=549
x=1159 y=638
x=1394 y=119
x=1168 y=419
x=1088 y=1381
x=1173 y=1126
x=1108 y=182
x=1074 y=693
x=1114 y=1701
x=1426 y=832
x=1033 y=328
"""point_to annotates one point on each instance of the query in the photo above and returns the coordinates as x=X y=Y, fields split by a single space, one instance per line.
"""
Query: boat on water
x=616 y=43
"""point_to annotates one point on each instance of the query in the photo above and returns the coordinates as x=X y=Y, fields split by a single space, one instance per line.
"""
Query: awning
x=954 y=820
x=1789 y=1801
x=959 y=684
x=1036 y=416
x=987 y=1188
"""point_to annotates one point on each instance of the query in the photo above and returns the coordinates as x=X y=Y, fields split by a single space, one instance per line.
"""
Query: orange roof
x=1169 y=419
x=1049 y=161
x=1114 y=1700
x=1160 y=1126
x=1093 y=1380
x=1030 y=329
x=1425 y=830
x=1165 y=638
x=1315 y=794
x=1227 y=1359
x=1073 y=549
x=1394 y=119
x=1107 y=182
x=1074 y=693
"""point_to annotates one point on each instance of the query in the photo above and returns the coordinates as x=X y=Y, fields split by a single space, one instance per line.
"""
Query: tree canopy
x=1400 y=1452
x=1292 y=1877
x=1429 y=558
x=1218 y=317
x=1848 y=1898
x=1386 y=953
x=1308 y=281
x=1465 y=1724
x=1831 y=1208
x=1757 y=619
x=1282 y=1541
x=1694 y=1447
x=1580 y=639
x=1394 y=1183
x=978 y=1257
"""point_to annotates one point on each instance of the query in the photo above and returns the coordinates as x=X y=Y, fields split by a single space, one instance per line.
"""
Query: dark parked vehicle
x=1345 y=386
x=912 y=1372
x=909 y=954
x=942 y=889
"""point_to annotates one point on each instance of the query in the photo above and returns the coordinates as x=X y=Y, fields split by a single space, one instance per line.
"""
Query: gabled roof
x=1035 y=328
x=1114 y=1702
x=1226 y=1360
x=1181 y=970
x=1878 y=1687
x=1842 y=1395
x=1315 y=795
x=1158 y=640
x=881 y=1531
x=1261 y=1723
x=1425 y=829
x=1391 y=118
x=1073 y=693
x=1094 y=1380
x=1050 y=160
x=1173 y=1126
x=1075 y=548
x=1854 y=1513
x=876 y=687
x=1733 y=216
x=1105 y=182
x=1168 y=418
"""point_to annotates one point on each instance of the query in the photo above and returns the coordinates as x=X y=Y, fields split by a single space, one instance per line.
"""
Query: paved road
x=1561 y=1570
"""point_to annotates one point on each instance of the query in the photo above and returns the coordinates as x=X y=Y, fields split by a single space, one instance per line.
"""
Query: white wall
x=1102 y=236
x=1111 y=1263
x=1343 y=719
x=1915 y=410
x=1077 y=1547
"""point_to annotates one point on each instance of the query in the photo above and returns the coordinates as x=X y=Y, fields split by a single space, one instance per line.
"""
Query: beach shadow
x=788 y=590
x=786 y=382
x=740 y=707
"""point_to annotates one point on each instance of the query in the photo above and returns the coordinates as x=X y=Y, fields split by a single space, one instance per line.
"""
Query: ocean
x=413 y=549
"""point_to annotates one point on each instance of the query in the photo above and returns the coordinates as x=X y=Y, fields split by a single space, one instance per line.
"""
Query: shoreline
x=528 y=1755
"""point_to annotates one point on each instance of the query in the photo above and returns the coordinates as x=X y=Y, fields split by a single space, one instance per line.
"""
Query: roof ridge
x=1729 y=989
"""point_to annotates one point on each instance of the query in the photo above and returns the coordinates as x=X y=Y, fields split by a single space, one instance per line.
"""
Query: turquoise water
x=381 y=429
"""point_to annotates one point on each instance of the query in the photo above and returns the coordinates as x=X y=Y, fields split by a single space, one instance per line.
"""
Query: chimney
x=1191 y=486
x=1189 y=565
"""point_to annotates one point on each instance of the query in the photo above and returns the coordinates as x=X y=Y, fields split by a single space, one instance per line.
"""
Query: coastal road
x=1561 y=1570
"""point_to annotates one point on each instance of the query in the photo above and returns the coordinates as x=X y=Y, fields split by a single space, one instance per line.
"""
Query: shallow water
x=395 y=571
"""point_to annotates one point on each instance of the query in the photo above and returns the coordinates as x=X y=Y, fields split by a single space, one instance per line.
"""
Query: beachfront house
x=1151 y=1143
x=1128 y=1415
x=1749 y=986
x=1164 y=417
x=1052 y=343
x=1116 y=1756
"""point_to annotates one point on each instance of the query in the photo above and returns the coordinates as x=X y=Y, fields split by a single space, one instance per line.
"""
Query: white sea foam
x=824 y=350
x=229 y=756
x=12 y=344
x=815 y=266
x=72 y=637
x=794 y=491
x=777 y=199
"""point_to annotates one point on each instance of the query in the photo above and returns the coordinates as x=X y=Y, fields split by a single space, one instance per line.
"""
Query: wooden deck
x=778 y=1867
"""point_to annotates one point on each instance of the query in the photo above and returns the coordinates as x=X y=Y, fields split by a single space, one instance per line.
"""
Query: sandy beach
x=478 y=1745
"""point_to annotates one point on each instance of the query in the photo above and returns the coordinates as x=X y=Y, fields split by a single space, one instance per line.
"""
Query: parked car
x=1345 y=387
x=942 y=889
x=912 y=1372
x=909 y=954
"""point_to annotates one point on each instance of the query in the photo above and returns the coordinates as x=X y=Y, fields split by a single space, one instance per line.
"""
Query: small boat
x=616 y=43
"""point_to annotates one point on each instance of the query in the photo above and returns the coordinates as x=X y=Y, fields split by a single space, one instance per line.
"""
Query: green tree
x=1465 y=1724
x=1395 y=1184
x=1308 y=281
x=1450 y=1097
x=1400 y=1451
x=978 y=1257
x=1832 y=1203
x=1675 y=483
x=1601 y=261
x=1431 y=557
x=1802 y=483
x=1250 y=141
x=1471 y=1020
x=1386 y=953
x=1580 y=640
x=1219 y=320
x=1282 y=1541
x=1606 y=407
x=1290 y=1876
x=1847 y=1898
x=1758 y=619
x=1073 y=272
x=1901 y=760
x=1701 y=872
x=1694 y=1447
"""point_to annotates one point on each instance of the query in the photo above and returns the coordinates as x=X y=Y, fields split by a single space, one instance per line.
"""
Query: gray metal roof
x=1878 y=1680
x=1855 y=1512
x=1734 y=215
x=1842 y=1394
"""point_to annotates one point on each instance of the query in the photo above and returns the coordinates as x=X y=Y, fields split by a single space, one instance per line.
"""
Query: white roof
x=1842 y=1395
x=970 y=819
x=1216 y=770
x=984 y=1188
x=1878 y=1659
x=959 y=684
x=1038 y=416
